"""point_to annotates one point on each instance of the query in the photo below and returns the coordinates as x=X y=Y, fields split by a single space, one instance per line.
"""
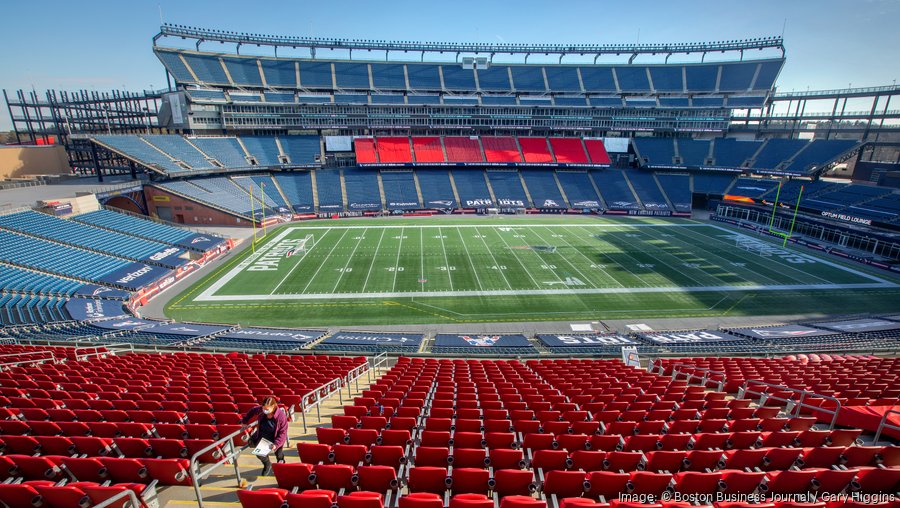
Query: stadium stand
x=298 y=189
x=301 y=150
x=328 y=185
x=428 y=149
x=579 y=190
x=149 y=230
x=655 y=151
x=819 y=151
x=365 y=150
x=472 y=189
x=180 y=149
x=501 y=149
x=752 y=187
x=677 y=189
x=569 y=150
x=508 y=189
x=400 y=190
x=596 y=151
x=775 y=151
x=436 y=189
x=536 y=150
x=225 y=150
x=542 y=188
x=263 y=148
x=693 y=152
x=482 y=345
x=615 y=190
x=733 y=153
x=136 y=148
x=362 y=189
x=360 y=342
x=463 y=149
x=712 y=183
x=393 y=149
x=647 y=190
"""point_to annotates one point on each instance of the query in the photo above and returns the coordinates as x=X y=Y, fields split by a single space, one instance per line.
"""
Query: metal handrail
x=315 y=398
x=125 y=346
x=792 y=407
x=198 y=473
x=132 y=497
x=884 y=424
x=704 y=379
x=7 y=365
x=379 y=360
x=355 y=374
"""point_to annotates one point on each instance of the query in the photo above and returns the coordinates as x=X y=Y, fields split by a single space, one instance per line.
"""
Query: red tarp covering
x=463 y=149
x=501 y=149
x=569 y=150
x=365 y=150
x=597 y=151
x=428 y=149
x=867 y=418
x=393 y=149
x=535 y=150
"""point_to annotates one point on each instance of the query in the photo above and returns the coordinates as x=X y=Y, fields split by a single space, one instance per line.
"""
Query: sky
x=105 y=44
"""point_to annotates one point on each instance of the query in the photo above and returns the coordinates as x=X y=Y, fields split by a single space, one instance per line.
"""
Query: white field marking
x=349 y=258
x=311 y=279
x=421 y=261
x=494 y=258
x=591 y=291
x=629 y=256
x=578 y=251
x=566 y=260
x=659 y=258
x=291 y=270
x=374 y=257
x=516 y=256
x=446 y=261
x=249 y=260
x=469 y=257
x=517 y=226
x=807 y=256
x=396 y=263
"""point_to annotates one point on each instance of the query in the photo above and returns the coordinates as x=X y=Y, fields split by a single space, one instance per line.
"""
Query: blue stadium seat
x=436 y=190
x=677 y=188
x=732 y=153
x=655 y=151
x=207 y=68
x=647 y=190
x=263 y=149
x=472 y=189
x=298 y=189
x=508 y=189
x=138 y=227
x=279 y=72
x=615 y=190
x=579 y=190
x=302 y=150
x=712 y=183
x=362 y=190
x=328 y=187
x=226 y=150
x=693 y=152
x=179 y=149
x=400 y=190
x=542 y=188
x=243 y=71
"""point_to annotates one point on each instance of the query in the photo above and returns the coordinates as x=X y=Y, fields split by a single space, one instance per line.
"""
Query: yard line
x=638 y=277
x=422 y=259
x=659 y=259
x=305 y=252
x=374 y=257
x=541 y=259
x=350 y=258
x=397 y=263
x=565 y=258
x=311 y=279
x=469 y=257
x=446 y=261
x=576 y=249
x=516 y=255
x=478 y=232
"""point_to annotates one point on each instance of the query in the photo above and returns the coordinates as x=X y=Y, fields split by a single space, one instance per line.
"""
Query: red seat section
x=596 y=151
x=365 y=150
x=501 y=149
x=428 y=149
x=393 y=149
x=536 y=150
x=569 y=150
x=463 y=149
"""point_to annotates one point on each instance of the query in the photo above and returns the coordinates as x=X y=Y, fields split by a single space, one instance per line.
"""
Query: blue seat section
x=26 y=281
x=263 y=185
x=244 y=97
x=400 y=190
x=752 y=187
x=635 y=102
x=347 y=98
x=280 y=72
x=55 y=258
x=473 y=191
x=535 y=101
x=495 y=78
x=746 y=102
x=457 y=78
x=818 y=153
x=615 y=190
x=562 y=79
x=18 y=310
x=542 y=188
x=423 y=99
x=263 y=149
x=352 y=75
x=508 y=189
x=225 y=150
x=424 y=77
x=674 y=102
x=527 y=78
x=478 y=345
x=852 y=196
x=179 y=149
x=712 y=183
x=584 y=344
x=737 y=77
x=693 y=152
x=732 y=153
x=220 y=192
x=362 y=189
x=633 y=79
x=136 y=148
x=175 y=66
x=579 y=190
x=678 y=189
x=655 y=151
x=461 y=101
x=388 y=76
x=647 y=190
x=569 y=101
x=598 y=79
x=388 y=99
x=768 y=71
x=243 y=71
x=301 y=149
x=367 y=342
x=278 y=96
x=436 y=189
x=139 y=227
x=328 y=187
x=218 y=95
x=488 y=100
x=266 y=339
x=708 y=102
x=207 y=68
x=701 y=78
x=170 y=334
x=883 y=209
x=314 y=98
x=776 y=151
x=606 y=102
x=297 y=187
x=667 y=79
x=316 y=75
x=83 y=235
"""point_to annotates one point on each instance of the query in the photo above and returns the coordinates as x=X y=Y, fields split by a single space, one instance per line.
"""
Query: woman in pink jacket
x=272 y=424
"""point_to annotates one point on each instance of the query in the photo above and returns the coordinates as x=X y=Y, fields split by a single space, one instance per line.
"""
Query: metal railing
x=885 y=425
x=706 y=375
x=355 y=374
x=48 y=356
x=377 y=362
x=230 y=453
x=315 y=398
x=116 y=499
x=791 y=407
x=122 y=347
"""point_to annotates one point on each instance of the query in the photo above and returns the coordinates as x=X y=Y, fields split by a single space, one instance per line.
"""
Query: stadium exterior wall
x=25 y=161
x=173 y=208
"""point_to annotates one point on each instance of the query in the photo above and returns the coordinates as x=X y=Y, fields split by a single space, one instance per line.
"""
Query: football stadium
x=329 y=272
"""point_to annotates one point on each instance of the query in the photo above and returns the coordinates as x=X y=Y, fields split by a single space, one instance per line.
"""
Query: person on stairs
x=272 y=425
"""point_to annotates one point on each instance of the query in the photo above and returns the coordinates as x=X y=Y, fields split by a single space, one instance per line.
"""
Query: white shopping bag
x=263 y=448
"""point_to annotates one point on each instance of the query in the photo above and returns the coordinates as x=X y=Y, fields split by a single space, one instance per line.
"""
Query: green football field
x=507 y=269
